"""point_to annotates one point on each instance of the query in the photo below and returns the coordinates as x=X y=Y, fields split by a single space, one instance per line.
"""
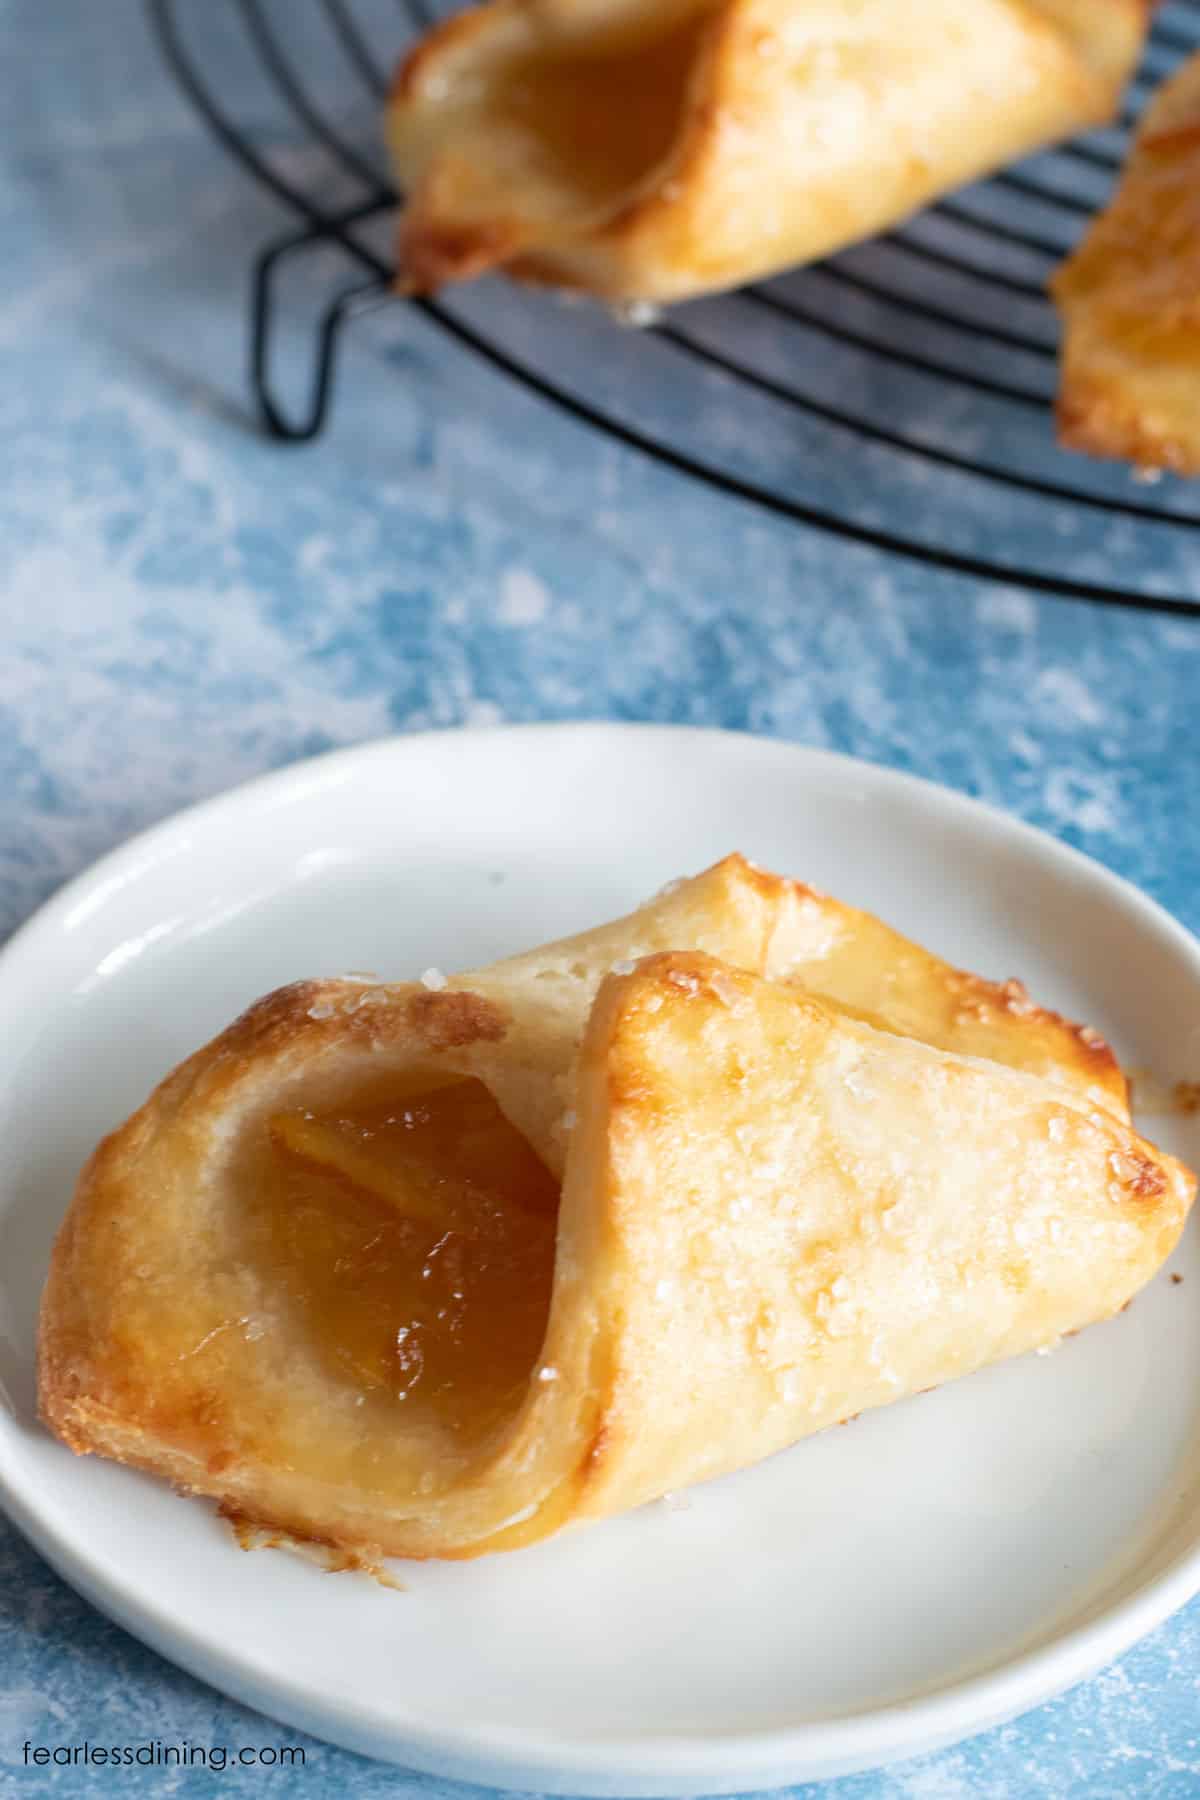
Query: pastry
x=649 y=150
x=321 y=1277
x=1130 y=300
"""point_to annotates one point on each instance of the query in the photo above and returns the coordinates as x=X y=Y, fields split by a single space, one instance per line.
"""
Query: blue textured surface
x=184 y=605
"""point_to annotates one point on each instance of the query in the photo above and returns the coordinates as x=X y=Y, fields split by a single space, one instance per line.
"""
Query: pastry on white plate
x=322 y=1277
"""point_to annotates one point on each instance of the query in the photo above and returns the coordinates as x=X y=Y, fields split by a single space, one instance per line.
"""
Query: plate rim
x=609 y=1763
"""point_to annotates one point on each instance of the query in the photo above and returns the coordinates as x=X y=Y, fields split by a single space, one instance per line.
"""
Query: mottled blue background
x=185 y=604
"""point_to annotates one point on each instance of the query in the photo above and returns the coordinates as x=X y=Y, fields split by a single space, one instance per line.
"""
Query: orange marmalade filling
x=415 y=1239
x=602 y=117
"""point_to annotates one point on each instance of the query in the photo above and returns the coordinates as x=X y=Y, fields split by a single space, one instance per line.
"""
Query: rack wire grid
x=899 y=394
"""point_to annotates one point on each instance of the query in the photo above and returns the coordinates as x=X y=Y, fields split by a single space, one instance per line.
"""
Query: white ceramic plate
x=937 y=1567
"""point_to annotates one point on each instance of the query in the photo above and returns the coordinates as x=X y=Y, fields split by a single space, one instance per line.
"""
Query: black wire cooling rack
x=898 y=395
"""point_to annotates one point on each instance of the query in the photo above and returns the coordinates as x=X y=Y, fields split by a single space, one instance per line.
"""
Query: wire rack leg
x=359 y=296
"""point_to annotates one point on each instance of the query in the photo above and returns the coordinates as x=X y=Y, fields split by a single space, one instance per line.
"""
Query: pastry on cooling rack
x=1130 y=300
x=648 y=150
x=353 y=1272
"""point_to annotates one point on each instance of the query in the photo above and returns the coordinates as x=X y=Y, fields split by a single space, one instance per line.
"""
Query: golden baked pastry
x=321 y=1277
x=649 y=150
x=1130 y=300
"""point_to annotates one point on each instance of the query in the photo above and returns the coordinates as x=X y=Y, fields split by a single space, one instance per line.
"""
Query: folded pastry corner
x=1130 y=300
x=861 y=965
x=787 y=931
x=650 y=150
x=322 y=1277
